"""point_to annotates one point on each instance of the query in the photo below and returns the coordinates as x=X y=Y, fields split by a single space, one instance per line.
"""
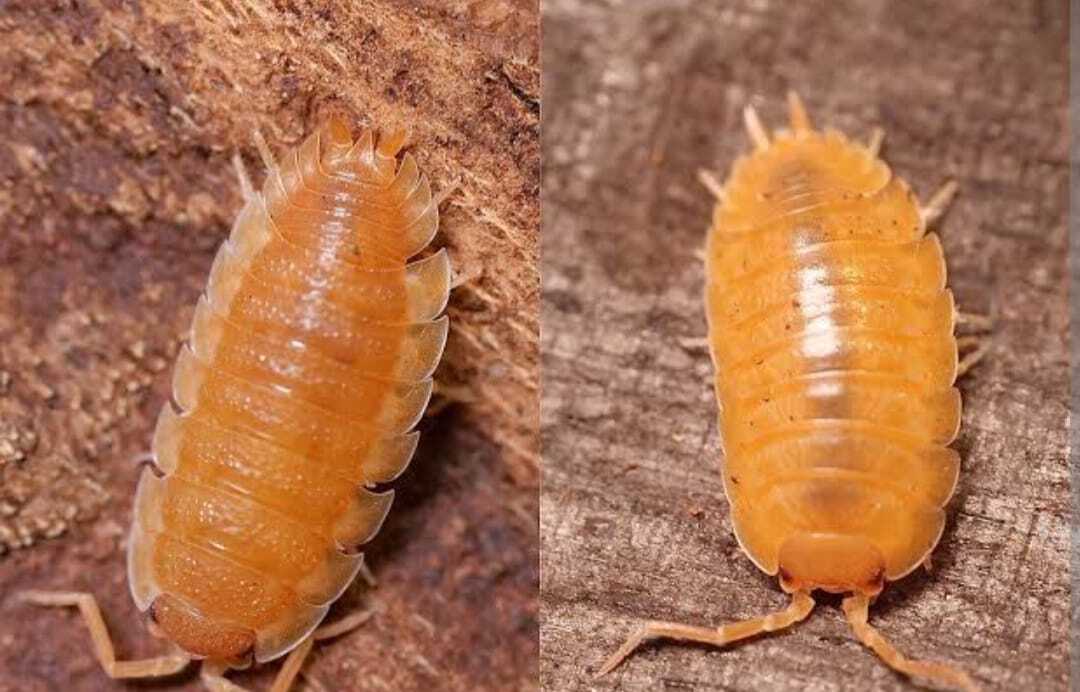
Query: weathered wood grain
x=638 y=96
x=1074 y=334
x=119 y=119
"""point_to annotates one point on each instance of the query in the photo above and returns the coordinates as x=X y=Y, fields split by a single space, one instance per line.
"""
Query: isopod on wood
x=309 y=361
x=832 y=335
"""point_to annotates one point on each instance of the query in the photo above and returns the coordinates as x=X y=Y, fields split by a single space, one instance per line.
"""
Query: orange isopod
x=310 y=359
x=832 y=334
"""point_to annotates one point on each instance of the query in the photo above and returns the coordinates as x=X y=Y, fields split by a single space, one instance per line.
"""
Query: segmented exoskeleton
x=310 y=358
x=831 y=332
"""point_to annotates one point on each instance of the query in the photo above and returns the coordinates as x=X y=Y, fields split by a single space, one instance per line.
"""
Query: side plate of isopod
x=308 y=364
x=831 y=332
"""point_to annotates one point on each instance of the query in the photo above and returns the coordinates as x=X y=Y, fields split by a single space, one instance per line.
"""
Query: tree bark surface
x=634 y=526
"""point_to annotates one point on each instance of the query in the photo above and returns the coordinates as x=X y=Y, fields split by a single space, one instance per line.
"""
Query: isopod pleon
x=832 y=336
x=309 y=361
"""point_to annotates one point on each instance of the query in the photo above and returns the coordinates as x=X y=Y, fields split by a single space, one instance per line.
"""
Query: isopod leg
x=343 y=626
x=857 y=609
x=293 y=663
x=264 y=150
x=367 y=575
x=939 y=203
x=980 y=346
x=709 y=180
x=800 y=607
x=444 y=194
x=213 y=678
x=755 y=129
x=246 y=188
x=977 y=346
x=445 y=396
x=877 y=136
x=99 y=635
x=979 y=323
x=800 y=121
x=466 y=277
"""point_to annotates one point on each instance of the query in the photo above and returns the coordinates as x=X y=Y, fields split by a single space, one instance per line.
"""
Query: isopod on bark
x=832 y=335
x=309 y=361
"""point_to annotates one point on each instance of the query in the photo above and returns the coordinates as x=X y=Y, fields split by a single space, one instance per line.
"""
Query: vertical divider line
x=1074 y=335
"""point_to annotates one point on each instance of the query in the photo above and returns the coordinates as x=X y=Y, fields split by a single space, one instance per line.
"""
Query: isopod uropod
x=310 y=359
x=832 y=334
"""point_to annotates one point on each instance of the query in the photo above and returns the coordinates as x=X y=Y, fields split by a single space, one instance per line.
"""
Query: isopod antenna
x=800 y=607
x=857 y=609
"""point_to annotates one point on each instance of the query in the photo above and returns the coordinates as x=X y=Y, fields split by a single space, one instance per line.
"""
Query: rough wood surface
x=640 y=95
x=119 y=118
x=1074 y=337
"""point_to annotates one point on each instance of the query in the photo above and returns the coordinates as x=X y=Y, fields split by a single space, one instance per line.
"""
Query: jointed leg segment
x=343 y=626
x=754 y=127
x=877 y=137
x=977 y=347
x=265 y=153
x=800 y=607
x=213 y=678
x=800 y=121
x=291 y=668
x=980 y=323
x=99 y=634
x=857 y=609
x=939 y=203
x=709 y=180
x=213 y=672
x=247 y=190
x=974 y=347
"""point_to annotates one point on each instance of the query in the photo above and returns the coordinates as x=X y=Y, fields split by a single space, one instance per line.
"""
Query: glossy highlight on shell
x=309 y=361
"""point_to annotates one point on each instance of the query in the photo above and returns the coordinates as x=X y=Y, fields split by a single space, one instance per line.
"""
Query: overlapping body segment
x=832 y=335
x=310 y=359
